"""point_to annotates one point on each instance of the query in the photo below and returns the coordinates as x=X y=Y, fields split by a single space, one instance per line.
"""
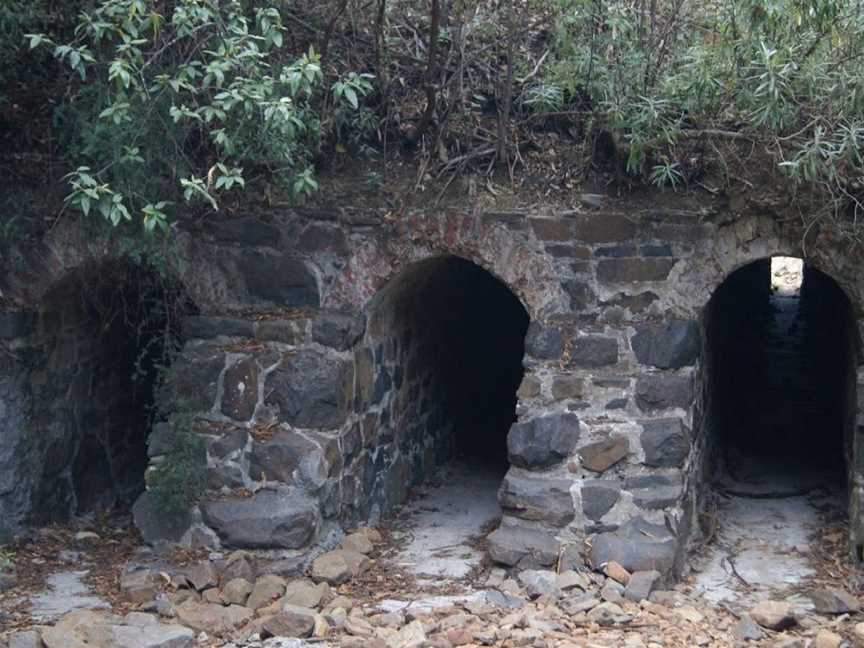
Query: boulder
x=269 y=519
x=774 y=615
x=288 y=457
x=155 y=524
x=88 y=629
x=239 y=564
x=616 y=572
x=543 y=441
x=667 y=345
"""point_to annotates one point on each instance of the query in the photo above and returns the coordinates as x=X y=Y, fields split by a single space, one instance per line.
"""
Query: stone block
x=566 y=387
x=531 y=497
x=511 y=545
x=547 y=229
x=641 y=584
x=602 y=455
x=581 y=295
x=311 y=389
x=656 y=392
x=616 y=251
x=598 y=497
x=318 y=237
x=246 y=230
x=668 y=345
x=543 y=441
x=286 y=331
x=604 y=228
x=193 y=380
x=337 y=331
x=280 y=279
x=288 y=457
x=267 y=520
x=544 y=342
x=240 y=390
x=637 y=546
x=232 y=440
x=198 y=326
x=665 y=442
x=593 y=351
x=633 y=270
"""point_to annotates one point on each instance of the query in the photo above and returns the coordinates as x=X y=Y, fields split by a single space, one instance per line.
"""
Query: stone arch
x=506 y=252
x=437 y=375
x=81 y=378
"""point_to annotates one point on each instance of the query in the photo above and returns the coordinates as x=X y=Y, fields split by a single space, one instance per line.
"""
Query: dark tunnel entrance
x=781 y=366
x=105 y=332
x=452 y=336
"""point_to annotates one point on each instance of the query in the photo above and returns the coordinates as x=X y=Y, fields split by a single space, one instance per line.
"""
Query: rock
x=358 y=627
x=774 y=615
x=288 y=457
x=689 y=613
x=747 y=629
x=236 y=591
x=337 y=331
x=663 y=391
x=373 y=535
x=638 y=546
x=151 y=636
x=827 y=639
x=569 y=579
x=544 y=342
x=268 y=519
x=666 y=442
x=156 y=525
x=7 y=580
x=529 y=497
x=87 y=629
x=858 y=631
x=612 y=591
x=509 y=544
x=239 y=564
x=577 y=604
x=358 y=542
x=211 y=595
x=668 y=345
x=240 y=390
x=791 y=642
x=602 y=455
x=290 y=622
x=606 y=614
x=26 y=639
x=834 y=601
x=266 y=590
x=538 y=581
x=138 y=585
x=203 y=576
x=411 y=636
x=641 y=585
x=311 y=389
x=212 y=618
x=598 y=497
x=86 y=536
x=593 y=351
x=280 y=279
x=616 y=572
x=304 y=593
x=336 y=567
x=543 y=441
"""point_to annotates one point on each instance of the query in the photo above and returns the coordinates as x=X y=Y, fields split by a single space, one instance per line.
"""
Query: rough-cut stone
x=310 y=389
x=598 y=497
x=510 y=544
x=580 y=293
x=268 y=519
x=337 y=567
x=291 y=622
x=774 y=615
x=544 y=342
x=592 y=351
x=663 y=391
x=611 y=228
x=288 y=457
x=212 y=618
x=614 y=570
x=602 y=455
x=358 y=542
x=538 y=581
x=248 y=230
x=280 y=279
x=337 y=331
x=138 y=585
x=198 y=326
x=564 y=387
x=632 y=270
x=641 y=584
x=266 y=589
x=240 y=390
x=236 y=591
x=239 y=564
x=543 y=441
x=669 y=345
x=531 y=497
x=665 y=442
x=203 y=576
x=834 y=601
x=638 y=546
x=304 y=593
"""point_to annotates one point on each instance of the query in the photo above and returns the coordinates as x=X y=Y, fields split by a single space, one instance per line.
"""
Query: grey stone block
x=668 y=345
x=663 y=391
x=532 y=497
x=665 y=442
x=598 y=497
x=543 y=441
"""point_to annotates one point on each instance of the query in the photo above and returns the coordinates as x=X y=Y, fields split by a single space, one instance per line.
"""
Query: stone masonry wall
x=310 y=427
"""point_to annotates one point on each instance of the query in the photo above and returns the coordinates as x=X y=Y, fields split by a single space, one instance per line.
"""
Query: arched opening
x=779 y=407
x=103 y=333
x=448 y=340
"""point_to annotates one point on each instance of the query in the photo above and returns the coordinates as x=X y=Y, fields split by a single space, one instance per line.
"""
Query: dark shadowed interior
x=780 y=392
x=105 y=332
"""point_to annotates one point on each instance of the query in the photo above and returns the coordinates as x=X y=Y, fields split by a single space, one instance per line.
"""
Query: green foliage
x=188 y=98
x=177 y=483
x=786 y=72
x=7 y=559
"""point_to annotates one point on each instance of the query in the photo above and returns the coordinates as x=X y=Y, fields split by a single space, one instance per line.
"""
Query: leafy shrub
x=177 y=483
